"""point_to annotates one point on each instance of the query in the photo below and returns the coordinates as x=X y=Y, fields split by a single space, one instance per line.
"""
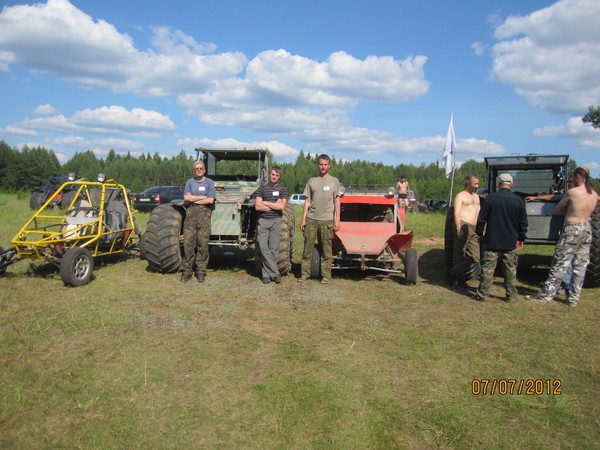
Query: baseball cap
x=506 y=178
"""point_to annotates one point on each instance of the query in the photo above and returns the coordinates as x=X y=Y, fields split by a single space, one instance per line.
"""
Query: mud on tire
x=592 y=275
x=286 y=246
x=162 y=239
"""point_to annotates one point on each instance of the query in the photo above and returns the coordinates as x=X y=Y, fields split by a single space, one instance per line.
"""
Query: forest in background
x=27 y=169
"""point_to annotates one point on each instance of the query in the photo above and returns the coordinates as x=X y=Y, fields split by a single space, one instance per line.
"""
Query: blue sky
x=364 y=80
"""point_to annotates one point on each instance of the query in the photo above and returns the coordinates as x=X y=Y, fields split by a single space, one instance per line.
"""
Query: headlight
x=101 y=178
x=391 y=191
x=342 y=190
x=71 y=176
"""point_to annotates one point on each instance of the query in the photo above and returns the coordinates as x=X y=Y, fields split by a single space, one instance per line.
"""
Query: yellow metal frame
x=48 y=236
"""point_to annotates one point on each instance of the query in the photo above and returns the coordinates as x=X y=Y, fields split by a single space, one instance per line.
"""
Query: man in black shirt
x=270 y=202
x=502 y=223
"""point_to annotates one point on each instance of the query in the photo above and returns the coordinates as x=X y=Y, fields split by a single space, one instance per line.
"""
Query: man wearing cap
x=502 y=225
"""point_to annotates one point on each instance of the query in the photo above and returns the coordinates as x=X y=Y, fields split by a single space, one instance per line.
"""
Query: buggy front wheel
x=76 y=266
x=411 y=266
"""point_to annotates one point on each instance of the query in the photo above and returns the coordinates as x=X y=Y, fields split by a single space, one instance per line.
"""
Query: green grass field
x=136 y=359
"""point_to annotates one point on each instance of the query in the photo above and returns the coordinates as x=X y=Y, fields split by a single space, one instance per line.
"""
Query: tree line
x=27 y=169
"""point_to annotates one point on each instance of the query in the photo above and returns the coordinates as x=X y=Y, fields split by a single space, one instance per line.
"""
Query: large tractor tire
x=449 y=238
x=286 y=245
x=162 y=239
x=288 y=236
x=592 y=275
x=36 y=200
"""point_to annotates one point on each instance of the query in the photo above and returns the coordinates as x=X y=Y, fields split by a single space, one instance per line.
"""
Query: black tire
x=592 y=275
x=76 y=266
x=315 y=262
x=142 y=246
x=449 y=238
x=286 y=246
x=36 y=200
x=2 y=268
x=411 y=266
x=67 y=199
x=162 y=239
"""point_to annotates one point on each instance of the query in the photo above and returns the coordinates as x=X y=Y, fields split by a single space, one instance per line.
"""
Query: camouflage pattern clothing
x=196 y=235
x=573 y=248
x=324 y=229
x=509 y=259
x=465 y=253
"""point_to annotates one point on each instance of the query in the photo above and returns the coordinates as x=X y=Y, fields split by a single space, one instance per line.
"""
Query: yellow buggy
x=98 y=221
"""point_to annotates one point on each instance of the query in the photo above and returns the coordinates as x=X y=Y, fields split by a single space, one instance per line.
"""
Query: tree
x=593 y=116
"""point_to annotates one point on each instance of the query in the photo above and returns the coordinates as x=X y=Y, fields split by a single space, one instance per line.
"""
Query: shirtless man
x=403 y=191
x=466 y=244
x=573 y=245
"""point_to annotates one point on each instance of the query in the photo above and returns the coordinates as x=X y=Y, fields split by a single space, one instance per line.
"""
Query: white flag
x=449 y=149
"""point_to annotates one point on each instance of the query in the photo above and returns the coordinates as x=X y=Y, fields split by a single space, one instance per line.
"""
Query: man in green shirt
x=320 y=218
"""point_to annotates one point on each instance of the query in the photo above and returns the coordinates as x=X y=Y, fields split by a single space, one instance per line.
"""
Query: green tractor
x=234 y=218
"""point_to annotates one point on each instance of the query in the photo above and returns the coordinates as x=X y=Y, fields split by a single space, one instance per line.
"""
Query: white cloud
x=44 y=110
x=552 y=56
x=122 y=145
x=584 y=134
x=95 y=55
x=120 y=118
x=10 y=129
x=478 y=48
x=113 y=120
x=278 y=149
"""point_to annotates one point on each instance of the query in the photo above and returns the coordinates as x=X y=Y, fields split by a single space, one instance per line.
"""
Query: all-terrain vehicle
x=371 y=235
x=98 y=221
x=535 y=175
x=237 y=175
x=63 y=200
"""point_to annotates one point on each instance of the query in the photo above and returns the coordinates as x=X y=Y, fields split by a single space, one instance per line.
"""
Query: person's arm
x=304 y=213
x=563 y=205
x=336 y=220
x=260 y=205
x=545 y=198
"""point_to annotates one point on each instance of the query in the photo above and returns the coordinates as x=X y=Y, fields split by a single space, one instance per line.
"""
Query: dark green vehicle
x=535 y=175
x=234 y=219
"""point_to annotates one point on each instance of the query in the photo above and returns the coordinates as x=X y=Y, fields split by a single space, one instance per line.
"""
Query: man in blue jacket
x=502 y=224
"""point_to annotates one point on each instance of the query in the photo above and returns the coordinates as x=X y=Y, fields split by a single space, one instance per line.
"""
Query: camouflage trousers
x=572 y=249
x=465 y=252
x=509 y=259
x=324 y=230
x=196 y=235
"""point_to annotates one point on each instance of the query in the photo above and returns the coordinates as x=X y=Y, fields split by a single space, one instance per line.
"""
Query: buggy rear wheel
x=76 y=266
x=67 y=198
x=36 y=200
x=411 y=271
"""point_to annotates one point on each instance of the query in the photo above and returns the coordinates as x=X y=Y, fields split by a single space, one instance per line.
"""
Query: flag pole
x=451 y=185
x=448 y=155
